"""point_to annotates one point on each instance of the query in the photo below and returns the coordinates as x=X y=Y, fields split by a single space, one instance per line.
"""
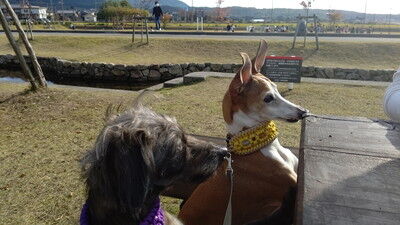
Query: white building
x=90 y=17
x=258 y=20
x=26 y=12
x=69 y=15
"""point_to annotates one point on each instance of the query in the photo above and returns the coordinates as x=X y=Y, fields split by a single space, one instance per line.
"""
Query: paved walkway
x=228 y=36
x=201 y=76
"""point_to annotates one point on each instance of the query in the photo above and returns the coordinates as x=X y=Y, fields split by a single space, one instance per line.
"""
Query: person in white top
x=391 y=102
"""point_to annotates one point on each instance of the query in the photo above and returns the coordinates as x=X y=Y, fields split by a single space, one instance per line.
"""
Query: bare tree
x=334 y=17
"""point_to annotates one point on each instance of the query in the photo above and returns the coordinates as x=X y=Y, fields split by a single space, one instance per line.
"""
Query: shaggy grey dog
x=137 y=155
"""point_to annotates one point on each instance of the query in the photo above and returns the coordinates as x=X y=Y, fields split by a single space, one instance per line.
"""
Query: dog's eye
x=268 y=98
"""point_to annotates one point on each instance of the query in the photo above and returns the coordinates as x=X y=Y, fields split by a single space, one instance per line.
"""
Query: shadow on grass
x=113 y=52
x=20 y=94
x=302 y=51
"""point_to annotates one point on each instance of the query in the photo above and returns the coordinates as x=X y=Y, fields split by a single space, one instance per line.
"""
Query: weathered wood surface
x=349 y=172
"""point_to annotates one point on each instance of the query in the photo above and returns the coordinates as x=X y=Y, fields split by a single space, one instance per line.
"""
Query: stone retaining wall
x=56 y=69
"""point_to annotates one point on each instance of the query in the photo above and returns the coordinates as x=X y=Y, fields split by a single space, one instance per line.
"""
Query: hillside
x=243 y=13
x=90 y=4
x=236 y=13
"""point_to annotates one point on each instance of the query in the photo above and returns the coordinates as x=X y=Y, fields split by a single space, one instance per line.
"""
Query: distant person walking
x=157 y=13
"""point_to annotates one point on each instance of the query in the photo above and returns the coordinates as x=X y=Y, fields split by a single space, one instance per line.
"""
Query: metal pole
x=147 y=31
x=390 y=18
x=305 y=32
x=17 y=50
x=316 y=32
x=197 y=23
x=141 y=32
x=133 y=30
x=62 y=10
x=297 y=31
x=365 y=12
x=29 y=21
x=202 y=24
x=192 y=12
x=272 y=11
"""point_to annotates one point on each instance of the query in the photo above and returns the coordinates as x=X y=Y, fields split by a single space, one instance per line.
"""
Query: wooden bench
x=349 y=172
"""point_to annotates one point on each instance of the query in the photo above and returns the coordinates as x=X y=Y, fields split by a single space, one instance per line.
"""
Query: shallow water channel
x=18 y=77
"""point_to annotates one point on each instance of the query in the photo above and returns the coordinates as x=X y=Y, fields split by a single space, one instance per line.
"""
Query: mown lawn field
x=362 y=55
x=44 y=134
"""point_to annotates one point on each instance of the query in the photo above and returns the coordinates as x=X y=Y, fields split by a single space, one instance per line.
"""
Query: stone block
x=193 y=68
x=207 y=69
x=154 y=67
x=216 y=67
x=201 y=66
x=75 y=65
x=340 y=75
x=141 y=67
x=154 y=75
x=146 y=72
x=163 y=70
x=135 y=74
x=227 y=67
x=176 y=70
x=185 y=65
x=120 y=66
x=329 y=73
x=319 y=73
x=109 y=65
x=364 y=74
x=117 y=72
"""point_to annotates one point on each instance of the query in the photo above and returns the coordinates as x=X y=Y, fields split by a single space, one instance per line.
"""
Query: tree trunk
x=35 y=63
x=17 y=50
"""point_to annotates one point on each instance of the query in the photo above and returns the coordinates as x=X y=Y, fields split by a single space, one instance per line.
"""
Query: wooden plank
x=359 y=136
x=343 y=179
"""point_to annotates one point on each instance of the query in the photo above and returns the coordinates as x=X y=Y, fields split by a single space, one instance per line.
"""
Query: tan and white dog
x=261 y=178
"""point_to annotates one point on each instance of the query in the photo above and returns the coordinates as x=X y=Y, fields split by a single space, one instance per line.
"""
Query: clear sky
x=373 y=6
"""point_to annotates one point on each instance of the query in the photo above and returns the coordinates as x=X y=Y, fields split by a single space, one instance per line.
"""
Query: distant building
x=90 y=17
x=67 y=15
x=25 y=12
x=258 y=20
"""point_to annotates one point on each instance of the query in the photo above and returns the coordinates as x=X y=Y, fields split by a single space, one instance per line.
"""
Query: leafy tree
x=167 y=18
x=119 y=12
x=334 y=17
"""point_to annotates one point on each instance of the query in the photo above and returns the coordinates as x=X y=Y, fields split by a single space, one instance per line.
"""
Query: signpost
x=283 y=69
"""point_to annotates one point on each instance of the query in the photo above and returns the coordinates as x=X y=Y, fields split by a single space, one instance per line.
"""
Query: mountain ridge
x=236 y=13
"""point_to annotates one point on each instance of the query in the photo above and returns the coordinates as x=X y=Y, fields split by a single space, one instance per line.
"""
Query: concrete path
x=201 y=76
x=226 y=36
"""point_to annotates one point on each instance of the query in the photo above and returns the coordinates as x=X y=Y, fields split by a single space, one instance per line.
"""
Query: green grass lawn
x=366 y=55
x=44 y=134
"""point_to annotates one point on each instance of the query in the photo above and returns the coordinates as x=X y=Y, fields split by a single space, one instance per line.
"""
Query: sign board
x=283 y=68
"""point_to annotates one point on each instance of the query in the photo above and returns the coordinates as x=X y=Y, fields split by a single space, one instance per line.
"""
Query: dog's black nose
x=222 y=152
x=301 y=113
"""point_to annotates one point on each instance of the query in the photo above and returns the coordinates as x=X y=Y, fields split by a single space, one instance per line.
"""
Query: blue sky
x=373 y=6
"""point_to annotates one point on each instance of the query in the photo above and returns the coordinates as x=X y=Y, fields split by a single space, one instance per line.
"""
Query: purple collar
x=155 y=216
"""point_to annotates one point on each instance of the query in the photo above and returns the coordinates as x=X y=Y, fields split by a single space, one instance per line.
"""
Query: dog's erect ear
x=245 y=71
x=243 y=76
x=259 y=59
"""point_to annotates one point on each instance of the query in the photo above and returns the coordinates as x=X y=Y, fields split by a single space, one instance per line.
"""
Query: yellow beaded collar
x=253 y=139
